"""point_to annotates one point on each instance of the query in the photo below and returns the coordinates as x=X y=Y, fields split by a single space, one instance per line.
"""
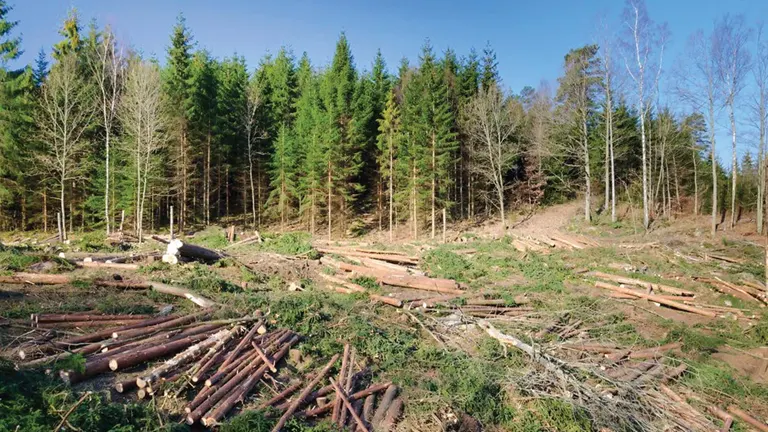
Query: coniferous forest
x=101 y=136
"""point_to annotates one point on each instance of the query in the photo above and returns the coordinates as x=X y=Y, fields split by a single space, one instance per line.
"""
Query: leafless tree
x=696 y=84
x=759 y=107
x=145 y=124
x=252 y=103
x=490 y=120
x=66 y=108
x=732 y=61
x=644 y=38
x=607 y=38
x=540 y=119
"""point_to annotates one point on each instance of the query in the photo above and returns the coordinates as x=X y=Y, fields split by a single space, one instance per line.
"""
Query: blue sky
x=530 y=37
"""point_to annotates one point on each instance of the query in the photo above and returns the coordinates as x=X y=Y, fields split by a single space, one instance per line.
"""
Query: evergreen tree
x=342 y=157
x=70 y=30
x=388 y=142
x=40 y=72
x=282 y=173
x=202 y=115
x=490 y=74
x=232 y=163
x=178 y=97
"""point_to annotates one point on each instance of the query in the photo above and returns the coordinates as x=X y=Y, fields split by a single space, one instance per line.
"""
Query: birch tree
x=252 y=103
x=578 y=88
x=732 y=61
x=145 y=126
x=107 y=65
x=65 y=110
x=490 y=120
x=643 y=38
x=760 y=115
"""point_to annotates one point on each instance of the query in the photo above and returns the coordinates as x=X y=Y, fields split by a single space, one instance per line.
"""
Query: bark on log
x=401 y=259
x=280 y=396
x=242 y=344
x=104 y=334
x=368 y=409
x=755 y=423
x=447 y=286
x=140 y=355
x=270 y=363
x=386 y=400
x=393 y=415
x=122 y=284
x=242 y=391
x=36 y=279
x=304 y=393
x=722 y=415
x=674 y=373
x=80 y=324
x=392 y=268
x=350 y=287
x=342 y=395
x=125 y=385
x=178 y=248
x=375 y=388
x=654 y=352
x=181 y=358
x=337 y=404
x=85 y=317
x=214 y=352
x=141 y=331
x=225 y=389
x=637 y=282
x=657 y=299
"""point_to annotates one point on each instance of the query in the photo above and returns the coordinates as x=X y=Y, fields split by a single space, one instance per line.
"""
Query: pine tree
x=178 y=97
x=490 y=74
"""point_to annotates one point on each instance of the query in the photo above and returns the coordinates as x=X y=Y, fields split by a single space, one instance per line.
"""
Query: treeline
x=106 y=138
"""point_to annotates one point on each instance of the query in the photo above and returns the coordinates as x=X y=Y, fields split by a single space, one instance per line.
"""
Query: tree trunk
x=587 y=174
x=734 y=164
x=391 y=185
x=695 y=184
x=434 y=174
x=106 y=185
x=714 y=163
x=330 y=199
x=62 y=183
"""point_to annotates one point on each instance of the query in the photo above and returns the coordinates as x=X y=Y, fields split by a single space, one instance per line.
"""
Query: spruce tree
x=178 y=97
x=232 y=85
x=388 y=142
x=490 y=73
x=342 y=157
x=308 y=135
x=70 y=30
x=202 y=114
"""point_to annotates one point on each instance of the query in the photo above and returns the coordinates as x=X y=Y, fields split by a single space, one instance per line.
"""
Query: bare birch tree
x=107 y=65
x=490 y=120
x=644 y=37
x=606 y=56
x=760 y=114
x=252 y=103
x=66 y=108
x=145 y=125
x=732 y=61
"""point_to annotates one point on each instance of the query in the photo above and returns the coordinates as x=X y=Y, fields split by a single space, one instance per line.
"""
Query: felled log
x=725 y=288
x=375 y=388
x=253 y=239
x=566 y=241
x=208 y=359
x=99 y=264
x=337 y=405
x=637 y=282
x=36 y=279
x=177 y=248
x=280 y=396
x=124 y=284
x=145 y=330
x=755 y=423
x=39 y=318
x=657 y=299
x=304 y=393
x=81 y=324
x=142 y=354
x=383 y=265
x=386 y=400
x=724 y=258
x=353 y=287
x=395 y=258
x=393 y=415
x=225 y=389
x=722 y=415
x=368 y=408
x=104 y=334
x=654 y=352
x=125 y=385
x=243 y=389
x=181 y=358
x=342 y=395
x=447 y=286
x=183 y=292
x=245 y=341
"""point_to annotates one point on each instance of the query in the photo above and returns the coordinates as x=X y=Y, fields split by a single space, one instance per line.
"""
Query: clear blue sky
x=530 y=37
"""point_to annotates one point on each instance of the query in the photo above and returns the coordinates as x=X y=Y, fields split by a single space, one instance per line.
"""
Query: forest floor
x=602 y=361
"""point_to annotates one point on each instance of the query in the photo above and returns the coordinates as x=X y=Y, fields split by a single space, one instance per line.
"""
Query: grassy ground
x=473 y=376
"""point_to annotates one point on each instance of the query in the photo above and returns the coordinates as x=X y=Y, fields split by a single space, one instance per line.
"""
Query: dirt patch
x=752 y=363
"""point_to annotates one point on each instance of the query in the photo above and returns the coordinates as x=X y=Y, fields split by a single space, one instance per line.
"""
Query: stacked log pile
x=225 y=360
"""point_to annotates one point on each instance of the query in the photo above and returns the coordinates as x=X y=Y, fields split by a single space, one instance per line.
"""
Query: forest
x=101 y=136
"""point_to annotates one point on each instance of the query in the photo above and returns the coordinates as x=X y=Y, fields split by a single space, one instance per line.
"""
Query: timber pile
x=744 y=292
x=354 y=405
